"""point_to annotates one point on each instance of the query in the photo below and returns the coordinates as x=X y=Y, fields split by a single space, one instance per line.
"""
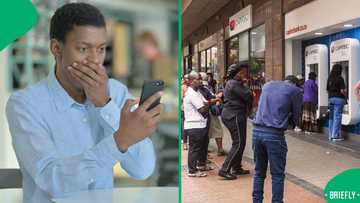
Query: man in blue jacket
x=279 y=107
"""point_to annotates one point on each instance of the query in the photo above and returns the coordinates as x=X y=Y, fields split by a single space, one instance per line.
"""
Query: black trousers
x=184 y=136
x=237 y=128
x=197 y=142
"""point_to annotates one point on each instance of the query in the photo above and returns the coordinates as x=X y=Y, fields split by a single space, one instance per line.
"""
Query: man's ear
x=55 y=48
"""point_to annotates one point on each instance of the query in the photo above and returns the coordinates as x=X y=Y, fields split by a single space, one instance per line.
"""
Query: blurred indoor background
x=132 y=25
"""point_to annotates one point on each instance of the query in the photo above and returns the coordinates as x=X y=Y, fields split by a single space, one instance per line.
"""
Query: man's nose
x=93 y=56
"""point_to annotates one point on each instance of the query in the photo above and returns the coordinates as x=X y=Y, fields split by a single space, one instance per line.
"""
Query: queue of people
x=282 y=105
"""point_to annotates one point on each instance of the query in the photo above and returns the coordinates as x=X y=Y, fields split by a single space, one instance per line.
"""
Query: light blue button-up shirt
x=64 y=147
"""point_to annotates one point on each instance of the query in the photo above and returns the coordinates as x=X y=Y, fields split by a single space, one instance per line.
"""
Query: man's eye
x=102 y=49
x=83 y=50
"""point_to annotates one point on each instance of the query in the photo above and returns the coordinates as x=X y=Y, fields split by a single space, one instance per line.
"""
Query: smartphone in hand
x=149 y=88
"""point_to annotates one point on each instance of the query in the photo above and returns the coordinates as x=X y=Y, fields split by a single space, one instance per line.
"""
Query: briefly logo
x=299 y=28
x=344 y=187
x=343 y=195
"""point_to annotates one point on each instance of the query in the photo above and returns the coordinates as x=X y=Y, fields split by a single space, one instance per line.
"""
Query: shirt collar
x=61 y=98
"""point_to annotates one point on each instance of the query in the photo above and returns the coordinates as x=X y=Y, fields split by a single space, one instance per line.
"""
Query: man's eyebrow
x=90 y=44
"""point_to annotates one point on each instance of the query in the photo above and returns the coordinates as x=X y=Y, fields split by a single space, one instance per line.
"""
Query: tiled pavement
x=311 y=163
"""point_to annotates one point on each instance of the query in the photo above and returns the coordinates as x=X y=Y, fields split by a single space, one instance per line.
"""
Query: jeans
x=269 y=148
x=336 y=105
x=197 y=138
x=237 y=129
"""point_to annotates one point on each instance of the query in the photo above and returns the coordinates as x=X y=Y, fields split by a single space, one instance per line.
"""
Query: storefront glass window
x=233 y=51
x=208 y=60
x=244 y=46
x=202 y=61
x=257 y=61
x=214 y=62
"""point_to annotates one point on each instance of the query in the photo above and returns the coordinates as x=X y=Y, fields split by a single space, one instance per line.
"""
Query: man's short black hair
x=74 y=14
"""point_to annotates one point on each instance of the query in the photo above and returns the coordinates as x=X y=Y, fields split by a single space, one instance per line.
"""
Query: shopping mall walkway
x=311 y=163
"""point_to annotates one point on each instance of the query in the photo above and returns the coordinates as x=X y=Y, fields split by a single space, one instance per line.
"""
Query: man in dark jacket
x=279 y=107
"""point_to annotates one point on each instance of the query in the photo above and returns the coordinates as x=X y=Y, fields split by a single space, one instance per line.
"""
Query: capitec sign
x=240 y=21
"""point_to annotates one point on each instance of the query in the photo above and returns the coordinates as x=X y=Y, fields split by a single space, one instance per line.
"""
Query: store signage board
x=296 y=29
x=304 y=20
x=240 y=21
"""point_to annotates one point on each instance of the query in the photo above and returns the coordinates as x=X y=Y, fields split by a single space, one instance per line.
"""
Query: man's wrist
x=121 y=143
x=102 y=104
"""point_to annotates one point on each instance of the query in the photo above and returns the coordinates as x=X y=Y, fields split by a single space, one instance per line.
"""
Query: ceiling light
x=318 y=33
x=253 y=33
x=348 y=25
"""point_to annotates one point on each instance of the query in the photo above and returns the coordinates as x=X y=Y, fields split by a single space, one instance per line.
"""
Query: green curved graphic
x=16 y=18
x=344 y=188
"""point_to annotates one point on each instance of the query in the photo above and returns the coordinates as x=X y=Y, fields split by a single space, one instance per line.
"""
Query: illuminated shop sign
x=296 y=29
x=240 y=21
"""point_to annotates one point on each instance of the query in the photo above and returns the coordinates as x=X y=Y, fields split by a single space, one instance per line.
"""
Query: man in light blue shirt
x=70 y=129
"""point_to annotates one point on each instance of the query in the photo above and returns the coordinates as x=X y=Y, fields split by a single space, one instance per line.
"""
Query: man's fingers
x=96 y=67
x=155 y=111
x=78 y=79
x=85 y=78
x=86 y=70
x=128 y=104
x=149 y=101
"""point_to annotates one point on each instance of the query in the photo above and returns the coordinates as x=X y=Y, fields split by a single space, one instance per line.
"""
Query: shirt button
x=107 y=117
x=91 y=180
x=84 y=120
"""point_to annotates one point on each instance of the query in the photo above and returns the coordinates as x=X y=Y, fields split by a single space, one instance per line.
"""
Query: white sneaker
x=297 y=129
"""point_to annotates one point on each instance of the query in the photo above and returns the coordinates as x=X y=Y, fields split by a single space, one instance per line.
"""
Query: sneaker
x=197 y=174
x=307 y=133
x=297 y=129
x=338 y=139
x=240 y=172
x=205 y=168
x=226 y=175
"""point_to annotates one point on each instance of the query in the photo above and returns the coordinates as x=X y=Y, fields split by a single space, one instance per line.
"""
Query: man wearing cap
x=238 y=103
x=279 y=106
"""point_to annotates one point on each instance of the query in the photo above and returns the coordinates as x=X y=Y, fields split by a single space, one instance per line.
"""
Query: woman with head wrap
x=237 y=106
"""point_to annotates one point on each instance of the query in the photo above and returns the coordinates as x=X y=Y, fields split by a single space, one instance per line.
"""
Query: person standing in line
x=207 y=93
x=237 y=106
x=310 y=102
x=211 y=81
x=337 y=99
x=184 y=86
x=196 y=110
x=279 y=106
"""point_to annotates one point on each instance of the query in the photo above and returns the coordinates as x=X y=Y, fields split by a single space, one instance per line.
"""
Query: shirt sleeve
x=141 y=161
x=58 y=175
